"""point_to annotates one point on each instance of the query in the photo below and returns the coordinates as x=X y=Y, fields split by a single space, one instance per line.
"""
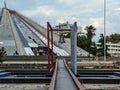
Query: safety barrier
x=53 y=81
x=78 y=84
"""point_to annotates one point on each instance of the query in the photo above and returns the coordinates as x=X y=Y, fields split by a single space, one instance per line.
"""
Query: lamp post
x=104 y=30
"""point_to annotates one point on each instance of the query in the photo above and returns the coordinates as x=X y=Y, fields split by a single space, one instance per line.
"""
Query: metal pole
x=104 y=30
x=48 y=47
x=52 y=49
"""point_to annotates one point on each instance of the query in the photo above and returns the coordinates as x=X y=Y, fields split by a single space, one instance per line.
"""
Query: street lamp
x=104 y=30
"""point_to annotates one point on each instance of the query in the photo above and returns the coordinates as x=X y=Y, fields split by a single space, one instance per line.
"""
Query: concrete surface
x=23 y=87
x=64 y=80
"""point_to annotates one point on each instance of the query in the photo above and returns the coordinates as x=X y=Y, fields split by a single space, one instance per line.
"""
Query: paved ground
x=23 y=87
x=45 y=86
x=102 y=86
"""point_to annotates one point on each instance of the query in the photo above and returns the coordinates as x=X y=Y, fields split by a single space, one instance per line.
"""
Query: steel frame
x=50 y=45
x=51 y=63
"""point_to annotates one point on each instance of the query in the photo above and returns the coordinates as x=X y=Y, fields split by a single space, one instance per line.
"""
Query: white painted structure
x=113 y=49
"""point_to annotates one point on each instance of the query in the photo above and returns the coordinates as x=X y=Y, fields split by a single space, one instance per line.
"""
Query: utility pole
x=105 y=30
x=74 y=48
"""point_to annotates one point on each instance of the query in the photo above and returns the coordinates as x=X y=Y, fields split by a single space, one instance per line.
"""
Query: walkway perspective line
x=63 y=78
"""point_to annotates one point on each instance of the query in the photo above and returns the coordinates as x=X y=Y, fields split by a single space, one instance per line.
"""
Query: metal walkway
x=63 y=78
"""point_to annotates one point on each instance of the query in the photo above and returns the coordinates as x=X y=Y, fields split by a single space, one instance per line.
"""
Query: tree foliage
x=115 y=38
x=90 y=31
x=90 y=34
x=100 y=51
x=67 y=35
x=83 y=42
x=93 y=48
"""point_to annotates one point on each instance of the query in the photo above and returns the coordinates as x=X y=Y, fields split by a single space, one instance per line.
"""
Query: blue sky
x=85 y=12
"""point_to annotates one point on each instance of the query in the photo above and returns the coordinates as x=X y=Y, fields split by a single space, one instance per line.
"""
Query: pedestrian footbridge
x=64 y=79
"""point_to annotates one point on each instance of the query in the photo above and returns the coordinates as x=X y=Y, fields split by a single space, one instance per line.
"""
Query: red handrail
x=78 y=84
x=53 y=81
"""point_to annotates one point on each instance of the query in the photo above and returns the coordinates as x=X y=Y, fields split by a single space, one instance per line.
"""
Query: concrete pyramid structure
x=19 y=34
x=16 y=35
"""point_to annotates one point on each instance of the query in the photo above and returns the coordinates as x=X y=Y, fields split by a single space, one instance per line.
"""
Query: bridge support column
x=73 y=48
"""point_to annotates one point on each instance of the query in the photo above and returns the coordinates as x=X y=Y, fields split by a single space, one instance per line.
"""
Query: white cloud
x=41 y=10
x=85 y=12
x=74 y=19
x=68 y=2
x=118 y=9
x=97 y=22
x=61 y=20
x=69 y=19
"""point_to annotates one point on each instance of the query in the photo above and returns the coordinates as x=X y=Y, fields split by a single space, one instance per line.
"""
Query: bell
x=61 y=38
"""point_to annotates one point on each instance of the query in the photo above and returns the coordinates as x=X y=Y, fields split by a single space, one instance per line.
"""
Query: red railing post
x=52 y=59
x=48 y=40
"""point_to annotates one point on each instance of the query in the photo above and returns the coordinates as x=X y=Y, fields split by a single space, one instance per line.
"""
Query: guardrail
x=53 y=81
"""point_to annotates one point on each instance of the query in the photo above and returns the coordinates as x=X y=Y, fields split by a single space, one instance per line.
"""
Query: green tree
x=107 y=39
x=115 y=38
x=90 y=34
x=100 y=51
x=67 y=35
x=83 y=42
x=93 y=48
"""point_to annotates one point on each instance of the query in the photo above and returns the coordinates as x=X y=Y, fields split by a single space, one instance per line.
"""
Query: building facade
x=113 y=49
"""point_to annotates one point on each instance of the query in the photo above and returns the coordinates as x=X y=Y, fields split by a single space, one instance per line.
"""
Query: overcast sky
x=85 y=12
